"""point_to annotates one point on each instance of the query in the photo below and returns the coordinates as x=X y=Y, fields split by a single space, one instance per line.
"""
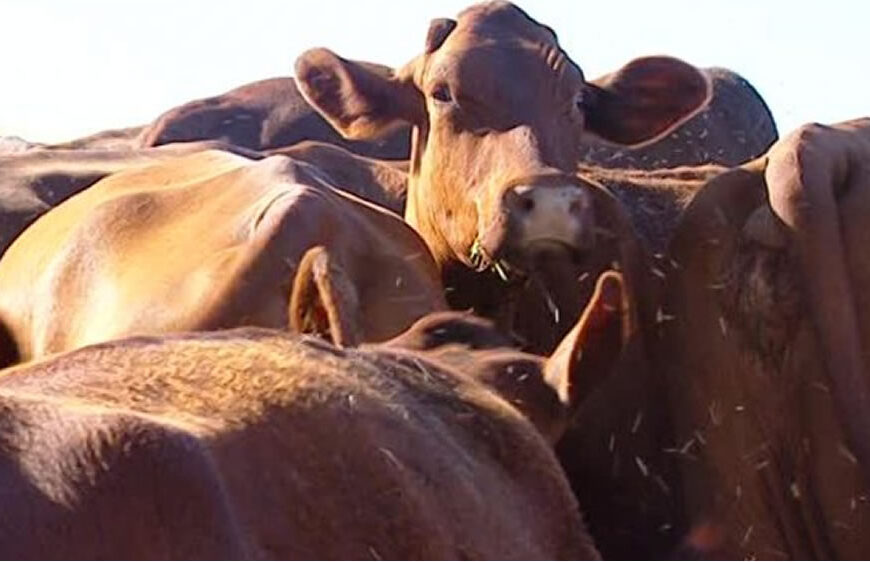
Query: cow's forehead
x=478 y=58
x=497 y=41
x=487 y=68
x=502 y=20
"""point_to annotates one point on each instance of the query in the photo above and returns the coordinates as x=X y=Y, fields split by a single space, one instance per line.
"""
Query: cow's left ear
x=645 y=99
x=323 y=300
x=361 y=100
x=587 y=355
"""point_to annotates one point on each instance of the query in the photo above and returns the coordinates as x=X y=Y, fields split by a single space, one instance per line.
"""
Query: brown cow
x=734 y=126
x=613 y=454
x=112 y=139
x=212 y=240
x=252 y=443
x=499 y=112
x=262 y=115
x=767 y=339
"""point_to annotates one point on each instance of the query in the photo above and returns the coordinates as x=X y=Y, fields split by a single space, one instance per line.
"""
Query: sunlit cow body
x=253 y=443
x=211 y=240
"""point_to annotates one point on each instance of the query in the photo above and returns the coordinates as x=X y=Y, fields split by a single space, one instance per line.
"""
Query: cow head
x=547 y=390
x=499 y=112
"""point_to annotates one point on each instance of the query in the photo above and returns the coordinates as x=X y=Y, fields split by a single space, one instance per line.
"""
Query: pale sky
x=75 y=67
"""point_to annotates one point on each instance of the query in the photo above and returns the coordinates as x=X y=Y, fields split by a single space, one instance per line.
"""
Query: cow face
x=499 y=112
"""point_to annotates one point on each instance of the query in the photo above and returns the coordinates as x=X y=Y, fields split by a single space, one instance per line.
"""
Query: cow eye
x=580 y=101
x=442 y=93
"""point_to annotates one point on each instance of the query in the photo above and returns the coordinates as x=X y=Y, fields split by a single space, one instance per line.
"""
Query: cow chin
x=546 y=248
x=533 y=253
x=516 y=256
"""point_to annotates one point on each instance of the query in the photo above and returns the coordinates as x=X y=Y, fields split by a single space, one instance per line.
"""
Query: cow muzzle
x=540 y=216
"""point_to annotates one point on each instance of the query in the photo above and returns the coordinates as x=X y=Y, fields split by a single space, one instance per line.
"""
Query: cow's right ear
x=324 y=300
x=361 y=100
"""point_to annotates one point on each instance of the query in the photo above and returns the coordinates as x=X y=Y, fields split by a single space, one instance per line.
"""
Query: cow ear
x=361 y=100
x=324 y=300
x=589 y=352
x=645 y=99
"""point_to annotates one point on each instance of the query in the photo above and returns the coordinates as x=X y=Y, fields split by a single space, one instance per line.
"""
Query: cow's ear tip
x=313 y=54
x=310 y=59
x=609 y=281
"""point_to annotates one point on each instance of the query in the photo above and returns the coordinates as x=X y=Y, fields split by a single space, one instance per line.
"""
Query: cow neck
x=465 y=288
x=420 y=215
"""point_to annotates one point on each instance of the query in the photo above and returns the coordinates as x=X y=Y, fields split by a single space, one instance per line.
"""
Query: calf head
x=547 y=390
x=499 y=112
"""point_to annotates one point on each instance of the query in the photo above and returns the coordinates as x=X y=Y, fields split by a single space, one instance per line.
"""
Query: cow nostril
x=527 y=204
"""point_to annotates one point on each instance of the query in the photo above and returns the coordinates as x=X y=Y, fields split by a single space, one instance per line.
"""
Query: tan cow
x=767 y=339
x=212 y=240
x=252 y=443
x=32 y=183
x=383 y=182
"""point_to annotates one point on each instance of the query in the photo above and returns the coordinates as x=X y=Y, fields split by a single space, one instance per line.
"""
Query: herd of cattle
x=475 y=307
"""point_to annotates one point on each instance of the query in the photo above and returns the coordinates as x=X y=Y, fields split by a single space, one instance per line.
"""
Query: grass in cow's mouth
x=475 y=255
x=501 y=269
x=481 y=261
